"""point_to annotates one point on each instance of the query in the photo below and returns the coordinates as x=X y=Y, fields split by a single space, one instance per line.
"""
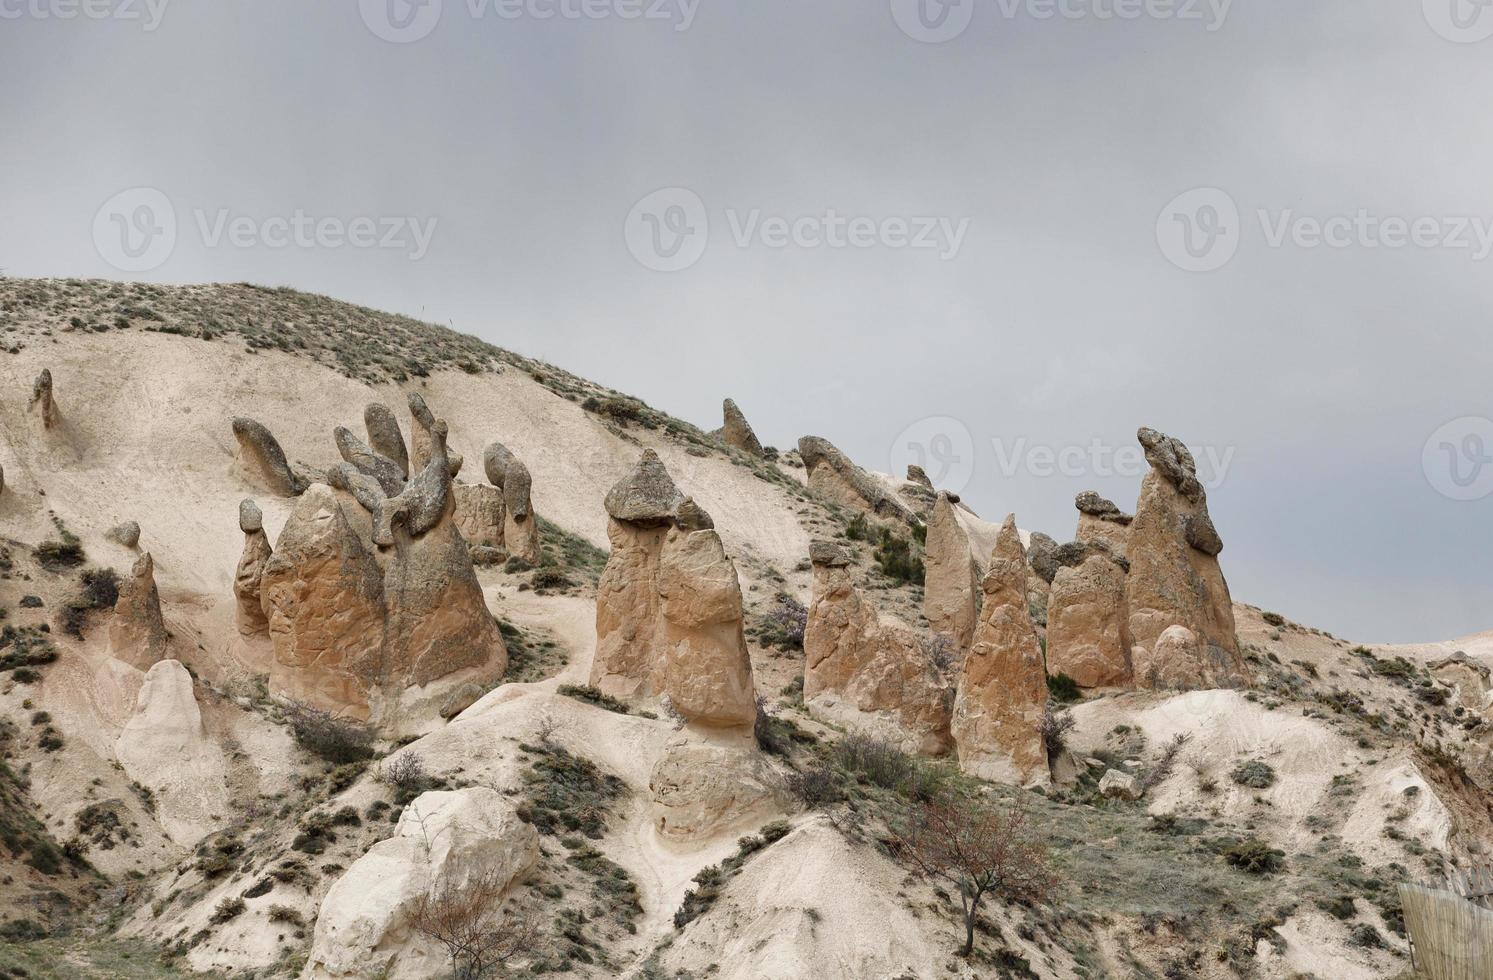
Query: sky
x=993 y=236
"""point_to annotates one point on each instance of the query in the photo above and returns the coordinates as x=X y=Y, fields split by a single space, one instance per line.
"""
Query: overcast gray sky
x=964 y=226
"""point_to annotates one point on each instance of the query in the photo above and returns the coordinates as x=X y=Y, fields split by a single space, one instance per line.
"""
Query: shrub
x=815 y=787
x=334 y=739
x=228 y=908
x=287 y=915
x=784 y=625
x=1254 y=774
x=895 y=558
x=59 y=556
x=591 y=695
x=1063 y=688
x=1365 y=936
x=881 y=763
x=1255 y=857
x=1055 y=728
x=564 y=792
x=550 y=578
x=406 y=776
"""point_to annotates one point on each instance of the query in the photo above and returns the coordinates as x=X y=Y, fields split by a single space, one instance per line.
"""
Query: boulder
x=41 y=399
x=263 y=459
x=478 y=513
x=1180 y=661
x=702 y=791
x=520 y=528
x=916 y=474
x=384 y=436
x=737 y=432
x=705 y=669
x=1116 y=785
x=1175 y=579
x=951 y=581
x=444 y=840
x=165 y=748
x=1002 y=694
x=646 y=496
x=867 y=673
x=495 y=460
x=251 y=564
x=137 y=633
x=1088 y=629
x=126 y=534
x=835 y=477
x=1041 y=555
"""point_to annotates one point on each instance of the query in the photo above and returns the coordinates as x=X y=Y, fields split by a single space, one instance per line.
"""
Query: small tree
x=980 y=851
x=461 y=912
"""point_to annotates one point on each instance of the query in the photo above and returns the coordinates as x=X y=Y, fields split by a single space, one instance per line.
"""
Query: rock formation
x=137 y=634
x=264 y=460
x=164 y=746
x=443 y=840
x=1002 y=693
x=834 y=476
x=1041 y=555
x=867 y=673
x=737 y=432
x=916 y=474
x=126 y=534
x=246 y=578
x=420 y=437
x=520 y=528
x=1180 y=661
x=1175 y=579
x=479 y=514
x=41 y=399
x=384 y=436
x=370 y=604
x=387 y=473
x=952 y=579
x=668 y=608
x=1088 y=628
x=495 y=460
x=702 y=791
x=1101 y=522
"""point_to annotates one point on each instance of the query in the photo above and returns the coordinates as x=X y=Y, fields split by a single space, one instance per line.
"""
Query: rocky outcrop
x=126 y=535
x=916 y=474
x=520 y=528
x=165 y=747
x=1117 y=785
x=668 y=607
x=384 y=436
x=835 y=477
x=387 y=473
x=137 y=633
x=705 y=669
x=419 y=432
x=1088 y=629
x=737 y=432
x=495 y=460
x=702 y=791
x=479 y=514
x=263 y=459
x=1175 y=579
x=1180 y=661
x=1041 y=555
x=868 y=673
x=444 y=841
x=1101 y=522
x=42 y=402
x=1002 y=694
x=952 y=578
x=252 y=620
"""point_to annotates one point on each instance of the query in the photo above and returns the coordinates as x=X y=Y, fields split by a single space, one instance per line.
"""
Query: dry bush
x=463 y=914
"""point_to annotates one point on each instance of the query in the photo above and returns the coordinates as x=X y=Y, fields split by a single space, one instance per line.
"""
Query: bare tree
x=980 y=851
x=462 y=913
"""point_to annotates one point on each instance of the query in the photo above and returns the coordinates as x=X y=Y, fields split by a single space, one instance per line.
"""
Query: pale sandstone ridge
x=443 y=840
x=737 y=432
x=951 y=581
x=251 y=617
x=869 y=673
x=41 y=399
x=137 y=634
x=1088 y=628
x=371 y=599
x=1101 y=522
x=834 y=476
x=668 y=607
x=1175 y=579
x=263 y=459
x=165 y=747
x=1002 y=693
